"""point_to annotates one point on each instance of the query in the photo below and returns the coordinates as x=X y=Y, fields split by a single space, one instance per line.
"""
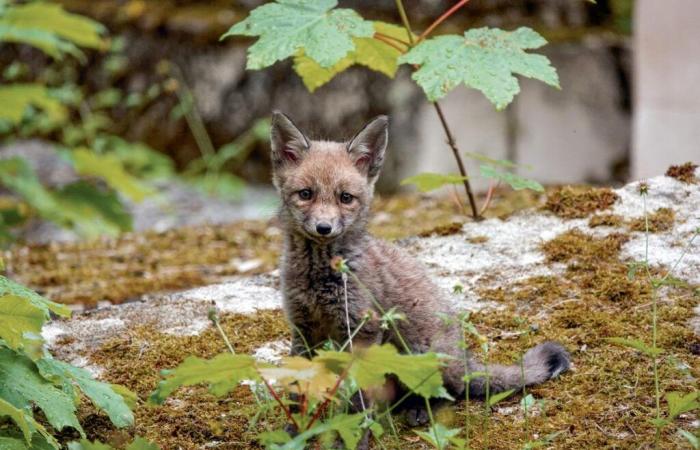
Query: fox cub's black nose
x=324 y=228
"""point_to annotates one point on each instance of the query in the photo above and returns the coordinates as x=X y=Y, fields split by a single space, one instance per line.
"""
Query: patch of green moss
x=605 y=220
x=684 y=173
x=660 y=220
x=573 y=202
x=191 y=418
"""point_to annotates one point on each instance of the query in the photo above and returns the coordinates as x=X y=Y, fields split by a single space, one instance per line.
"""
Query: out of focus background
x=165 y=114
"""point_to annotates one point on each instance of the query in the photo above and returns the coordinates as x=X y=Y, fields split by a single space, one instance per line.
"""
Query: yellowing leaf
x=9 y=287
x=679 y=403
x=370 y=52
x=312 y=378
x=109 y=168
x=19 y=316
x=287 y=26
x=484 y=59
x=222 y=373
x=16 y=98
x=429 y=181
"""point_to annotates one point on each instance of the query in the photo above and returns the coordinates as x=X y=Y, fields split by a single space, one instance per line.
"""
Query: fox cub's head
x=326 y=187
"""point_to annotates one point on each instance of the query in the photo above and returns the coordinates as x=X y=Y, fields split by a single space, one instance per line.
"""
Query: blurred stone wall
x=578 y=134
x=667 y=91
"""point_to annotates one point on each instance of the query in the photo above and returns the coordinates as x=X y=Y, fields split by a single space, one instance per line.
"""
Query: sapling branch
x=448 y=132
x=279 y=401
x=387 y=41
x=391 y=38
x=322 y=407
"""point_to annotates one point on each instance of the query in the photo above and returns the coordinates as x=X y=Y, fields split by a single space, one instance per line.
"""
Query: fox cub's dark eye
x=305 y=194
x=346 y=198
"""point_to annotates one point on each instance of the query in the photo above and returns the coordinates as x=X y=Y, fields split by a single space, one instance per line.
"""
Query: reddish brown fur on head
x=326 y=187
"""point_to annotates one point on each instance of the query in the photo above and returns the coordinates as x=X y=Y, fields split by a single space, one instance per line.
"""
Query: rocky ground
x=559 y=271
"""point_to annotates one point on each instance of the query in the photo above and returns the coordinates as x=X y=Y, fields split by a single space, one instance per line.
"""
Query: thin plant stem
x=279 y=401
x=319 y=410
x=441 y=19
x=404 y=20
x=460 y=163
x=654 y=316
x=489 y=196
x=350 y=334
x=223 y=335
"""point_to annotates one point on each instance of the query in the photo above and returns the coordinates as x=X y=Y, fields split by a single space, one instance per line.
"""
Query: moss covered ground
x=605 y=401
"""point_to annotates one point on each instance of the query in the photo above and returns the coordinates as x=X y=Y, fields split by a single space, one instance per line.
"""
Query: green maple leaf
x=19 y=316
x=420 y=373
x=369 y=52
x=286 y=26
x=222 y=373
x=28 y=428
x=23 y=387
x=101 y=394
x=484 y=59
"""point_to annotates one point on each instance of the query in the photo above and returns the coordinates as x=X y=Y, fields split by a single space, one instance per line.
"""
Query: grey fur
x=313 y=291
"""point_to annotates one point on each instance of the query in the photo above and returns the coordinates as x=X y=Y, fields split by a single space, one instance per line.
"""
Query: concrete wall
x=667 y=80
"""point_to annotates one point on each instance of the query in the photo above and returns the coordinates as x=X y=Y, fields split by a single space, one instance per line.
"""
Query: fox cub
x=326 y=190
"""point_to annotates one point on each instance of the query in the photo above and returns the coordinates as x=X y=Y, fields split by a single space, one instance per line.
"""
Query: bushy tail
x=540 y=363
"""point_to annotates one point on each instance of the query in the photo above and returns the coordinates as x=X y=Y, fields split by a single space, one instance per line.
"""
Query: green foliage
x=101 y=394
x=484 y=59
x=20 y=323
x=31 y=379
x=287 y=26
x=139 y=443
x=494 y=399
x=222 y=373
x=11 y=288
x=429 y=181
x=50 y=28
x=89 y=209
x=369 y=52
x=513 y=180
x=17 y=98
x=440 y=436
x=679 y=403
x=637 y=345
x=692 y=439
x=368 y=367
x=23 y=387
x=109 y=168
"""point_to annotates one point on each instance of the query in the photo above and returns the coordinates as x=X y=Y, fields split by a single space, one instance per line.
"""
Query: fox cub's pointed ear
x=288 y=143
x=368 y=146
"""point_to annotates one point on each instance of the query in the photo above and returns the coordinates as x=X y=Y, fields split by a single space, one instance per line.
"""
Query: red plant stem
x=441 y=19
x=328 y=399
x=460 y=164
x=386 y=36
x=489 y=196
x=389 y=42
x=286 y=410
